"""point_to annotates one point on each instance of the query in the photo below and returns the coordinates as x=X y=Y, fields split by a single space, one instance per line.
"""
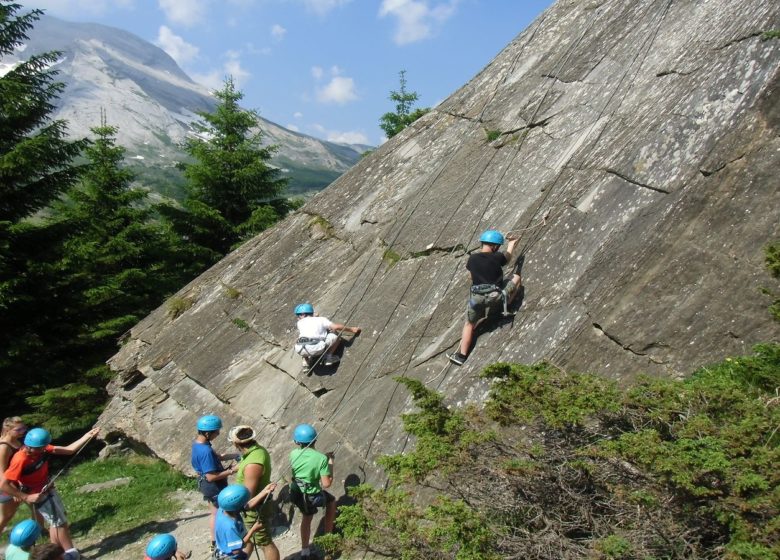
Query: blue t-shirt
x=228 y=532
x=204 y=460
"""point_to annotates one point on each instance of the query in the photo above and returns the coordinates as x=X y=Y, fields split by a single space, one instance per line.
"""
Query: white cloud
x=348 y=137
x=416 y=18
x=212 y=80
x=292 y=127
x=316 y=72
x=184 y=12
x=233 y=68
x=278 y=32
x=215 y=79
x=322 y=7
x=180 y=50
x=298 y=114
x=84 y=7
x=339 y=90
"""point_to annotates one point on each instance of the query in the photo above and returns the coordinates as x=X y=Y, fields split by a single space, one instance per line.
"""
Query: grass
x=111 y=511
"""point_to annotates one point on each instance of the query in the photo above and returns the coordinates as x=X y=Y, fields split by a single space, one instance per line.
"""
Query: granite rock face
x=633 y=147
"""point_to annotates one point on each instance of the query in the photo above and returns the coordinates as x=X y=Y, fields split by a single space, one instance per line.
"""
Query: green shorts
x=263 y=536
x=479 y=305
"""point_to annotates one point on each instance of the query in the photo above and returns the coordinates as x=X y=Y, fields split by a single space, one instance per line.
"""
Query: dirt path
x=191 y=529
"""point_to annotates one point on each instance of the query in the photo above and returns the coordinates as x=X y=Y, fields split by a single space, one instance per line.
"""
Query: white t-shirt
x=314 y=327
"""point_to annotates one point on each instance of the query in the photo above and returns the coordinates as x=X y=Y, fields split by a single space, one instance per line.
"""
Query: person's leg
x=330 y=514
x=7 y=512
x=270 y=552
x=516 y=282
x=333 y=340
x=212 y=519
x=466 y=338
x=306 y=529
x=61 y=536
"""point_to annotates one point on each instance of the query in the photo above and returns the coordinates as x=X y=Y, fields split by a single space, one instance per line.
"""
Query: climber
x=233 y=537
x=488 y=288
x=164 y=547
x=23 y=536
x=311 y=472
x=317 y=335
x=254 y=472
x=212 y=475
x=27 y=478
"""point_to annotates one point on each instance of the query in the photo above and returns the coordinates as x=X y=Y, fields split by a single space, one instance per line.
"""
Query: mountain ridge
x=154 y=103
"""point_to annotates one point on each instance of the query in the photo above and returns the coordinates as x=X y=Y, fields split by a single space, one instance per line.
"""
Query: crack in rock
x=628 y=348
x=627 y=179
x=708 y=172
x=739 y=40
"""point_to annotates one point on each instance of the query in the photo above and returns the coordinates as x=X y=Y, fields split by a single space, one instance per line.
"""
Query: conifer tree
x=234 y=192
x=393 y=123
x=117 y=265
x=35 y=168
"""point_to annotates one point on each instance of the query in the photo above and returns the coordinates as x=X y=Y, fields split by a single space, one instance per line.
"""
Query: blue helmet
x=304 y=308
x=161 y=547
x=233 y=497
x=209 y=423
x=492 y=236
x=304 y=433
x=25 y=533
x=37 y=437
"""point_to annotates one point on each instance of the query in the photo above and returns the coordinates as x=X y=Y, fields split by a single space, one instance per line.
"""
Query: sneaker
x=457 y=358
x=330 y=359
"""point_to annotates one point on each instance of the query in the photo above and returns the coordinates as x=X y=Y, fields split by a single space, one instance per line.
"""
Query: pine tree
x=393 y=123
x=234 y=192
x=116 y=266
x=36 y=166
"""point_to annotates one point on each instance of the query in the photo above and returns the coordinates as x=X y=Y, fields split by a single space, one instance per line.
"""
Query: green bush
x=557 y=461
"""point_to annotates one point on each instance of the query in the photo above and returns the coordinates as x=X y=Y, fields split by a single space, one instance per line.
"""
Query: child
x=27 y=479
x=23 y=536
x=48 y=551
x=312 y=471
x=318 y=336
x=229 y=530
x=164 y=547
x=212 y=476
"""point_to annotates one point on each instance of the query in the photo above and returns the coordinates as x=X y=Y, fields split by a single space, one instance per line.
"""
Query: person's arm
x=252 y=530
x=327 y=479
x=251 y=504
x=9 y=488
x=338 y=327
x=512 y=241
x=221 y=475
x=76 y=445
x=253 y=472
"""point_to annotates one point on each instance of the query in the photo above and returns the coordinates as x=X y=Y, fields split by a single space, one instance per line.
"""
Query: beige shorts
x=52 y=509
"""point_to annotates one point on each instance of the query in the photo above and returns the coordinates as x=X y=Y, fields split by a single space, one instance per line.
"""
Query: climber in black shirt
x=488 y=288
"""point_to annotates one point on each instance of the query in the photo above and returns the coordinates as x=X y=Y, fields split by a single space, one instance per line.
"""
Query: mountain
x=153 y=102
x=632 y=147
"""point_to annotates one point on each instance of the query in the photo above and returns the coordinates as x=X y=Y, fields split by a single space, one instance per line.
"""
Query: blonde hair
x=9 y=423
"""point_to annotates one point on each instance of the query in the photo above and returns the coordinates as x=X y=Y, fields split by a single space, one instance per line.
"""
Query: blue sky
x=321 y=67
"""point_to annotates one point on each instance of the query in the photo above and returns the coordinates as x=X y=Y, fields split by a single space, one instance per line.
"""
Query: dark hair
x=48 y=551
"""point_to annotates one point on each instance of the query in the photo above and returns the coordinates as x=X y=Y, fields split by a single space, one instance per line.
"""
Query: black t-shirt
x=485 y=268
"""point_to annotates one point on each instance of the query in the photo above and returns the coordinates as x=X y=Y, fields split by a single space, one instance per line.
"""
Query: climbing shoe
x=330 y=359
x=457 y=358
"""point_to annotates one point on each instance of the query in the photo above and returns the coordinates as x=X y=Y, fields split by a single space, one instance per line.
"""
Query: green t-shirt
x=13 y=552
x=310 y=466
x=256 y=455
